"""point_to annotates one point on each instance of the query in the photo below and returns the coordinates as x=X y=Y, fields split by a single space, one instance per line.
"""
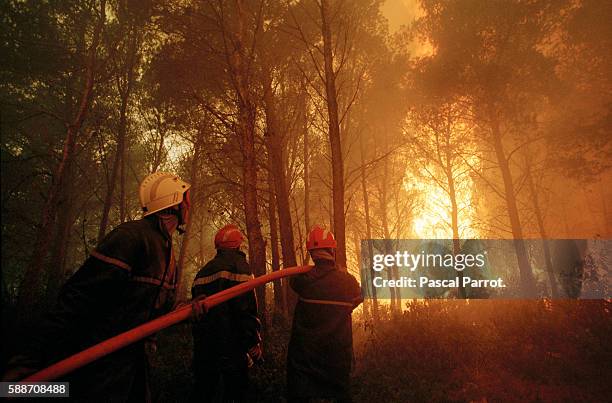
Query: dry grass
x=487 y=351
x=446 y=351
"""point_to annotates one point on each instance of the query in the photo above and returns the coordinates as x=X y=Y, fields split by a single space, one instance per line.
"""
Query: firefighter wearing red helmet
x=226 y=339
x=321 y=346
x=128 y=279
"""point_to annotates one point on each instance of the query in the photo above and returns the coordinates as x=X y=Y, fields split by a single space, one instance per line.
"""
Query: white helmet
x=161 y=190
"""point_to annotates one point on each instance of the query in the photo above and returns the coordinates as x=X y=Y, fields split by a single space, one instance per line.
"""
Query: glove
x=256 y=353
x=151 y=345
x=197 y=310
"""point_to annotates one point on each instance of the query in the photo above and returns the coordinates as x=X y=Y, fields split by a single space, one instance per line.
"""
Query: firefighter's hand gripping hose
x=138 y=333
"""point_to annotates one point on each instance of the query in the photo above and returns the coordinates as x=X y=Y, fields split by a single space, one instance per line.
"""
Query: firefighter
x=130 y=278
x=226 y=339
x=321 y=346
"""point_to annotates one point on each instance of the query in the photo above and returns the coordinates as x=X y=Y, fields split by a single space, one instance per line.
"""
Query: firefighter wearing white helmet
x=128 y=279
x=160 y=191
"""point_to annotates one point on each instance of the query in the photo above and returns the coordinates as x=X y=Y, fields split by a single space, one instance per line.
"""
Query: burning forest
x=287 y=200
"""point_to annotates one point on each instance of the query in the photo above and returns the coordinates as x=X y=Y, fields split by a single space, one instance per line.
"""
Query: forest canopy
x=480 y=119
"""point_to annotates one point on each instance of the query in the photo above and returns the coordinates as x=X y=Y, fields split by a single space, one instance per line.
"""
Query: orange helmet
x=229 y=237
x=320 y=238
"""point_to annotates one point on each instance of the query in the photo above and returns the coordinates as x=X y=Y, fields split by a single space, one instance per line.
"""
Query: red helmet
x=320 y=238
x=229 y=237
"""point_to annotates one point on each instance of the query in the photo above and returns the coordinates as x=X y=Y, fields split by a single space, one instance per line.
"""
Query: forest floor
x=444 y=351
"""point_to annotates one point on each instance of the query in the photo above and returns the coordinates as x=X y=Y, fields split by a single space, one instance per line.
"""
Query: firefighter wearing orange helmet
x=128 y=279
x=226 y=339
x=321 y=346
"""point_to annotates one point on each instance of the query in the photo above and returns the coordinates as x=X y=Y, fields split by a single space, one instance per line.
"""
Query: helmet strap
x=181 y=222
x=172 y=212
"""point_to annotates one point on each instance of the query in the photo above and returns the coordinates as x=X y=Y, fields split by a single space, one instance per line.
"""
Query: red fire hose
x=140 y=332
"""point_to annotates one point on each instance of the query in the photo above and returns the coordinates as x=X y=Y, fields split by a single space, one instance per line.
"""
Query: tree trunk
x=159 y=149
x=395 y=304
x=334 y=137
x=277 y=163
x=203 y=241
x=368 y=222
x=29 y=289
x=185 y=282
x=246 y=132
x=123 y=125
x=306 y=166
x=454 y=210
x=542 y=229
x=280 y=312
x=454 y=220
x=395 y=269
x=526 y=275
x=110 y=190
x=365 y=278
x=119 y=163
x=257 y=251
x=57 y=264
x=122 y=184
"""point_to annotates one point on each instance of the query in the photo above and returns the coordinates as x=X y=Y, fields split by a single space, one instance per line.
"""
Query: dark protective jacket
x=321 y=346
x=230 y=329
x=222 y=338
x=129 y=279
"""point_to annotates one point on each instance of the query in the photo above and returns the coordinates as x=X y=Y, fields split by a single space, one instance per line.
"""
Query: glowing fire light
x=433 y=219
